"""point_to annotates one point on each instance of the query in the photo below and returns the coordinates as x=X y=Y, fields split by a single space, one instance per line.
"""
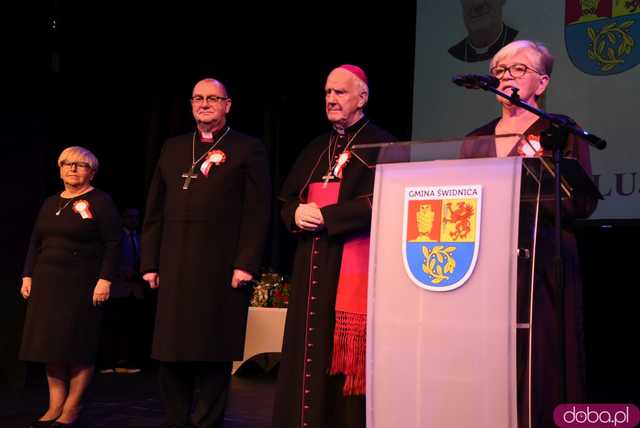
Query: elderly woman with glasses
x=72 y=257
x=525 y=67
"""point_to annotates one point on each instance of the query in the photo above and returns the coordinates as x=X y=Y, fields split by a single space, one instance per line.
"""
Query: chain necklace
x=191 y=174
x=61 y=207
x=193 y=148
x=333 y=148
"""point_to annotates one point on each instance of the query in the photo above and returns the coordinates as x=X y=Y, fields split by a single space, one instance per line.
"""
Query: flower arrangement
x=272 y=291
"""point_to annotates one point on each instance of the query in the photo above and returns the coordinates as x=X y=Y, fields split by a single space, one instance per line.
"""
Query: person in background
x=124 y=321
x=487 y=32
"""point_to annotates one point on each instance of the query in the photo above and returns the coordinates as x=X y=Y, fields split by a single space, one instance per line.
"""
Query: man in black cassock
x=204 y=232
x=327 y=201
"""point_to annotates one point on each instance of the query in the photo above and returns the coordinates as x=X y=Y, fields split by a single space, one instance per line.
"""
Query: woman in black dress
x=67 y=275
x=526 y=66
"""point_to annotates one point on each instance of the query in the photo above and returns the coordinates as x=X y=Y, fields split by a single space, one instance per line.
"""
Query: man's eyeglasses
x=515 y=70
x=213 y=99
x=76 y=165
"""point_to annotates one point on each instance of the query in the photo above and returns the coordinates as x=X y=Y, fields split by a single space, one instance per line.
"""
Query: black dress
x=547 y=382
x=67 y=256
x=306 y=395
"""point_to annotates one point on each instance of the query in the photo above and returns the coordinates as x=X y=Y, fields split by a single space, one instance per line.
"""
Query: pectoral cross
x=188 y=176
x=326 y=179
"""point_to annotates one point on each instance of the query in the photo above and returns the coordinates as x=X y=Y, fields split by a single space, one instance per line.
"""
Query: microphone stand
x=554 y=138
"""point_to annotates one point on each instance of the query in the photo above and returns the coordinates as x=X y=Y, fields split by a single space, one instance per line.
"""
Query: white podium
x=443 y=354
x=265 y=331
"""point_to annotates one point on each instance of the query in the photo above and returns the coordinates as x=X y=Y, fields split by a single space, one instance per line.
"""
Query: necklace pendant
x=188 y=176
x=326 y=179
x=58 y=212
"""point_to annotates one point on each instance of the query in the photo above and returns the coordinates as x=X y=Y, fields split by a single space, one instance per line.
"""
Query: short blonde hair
x=543 y=61
x=77 y=153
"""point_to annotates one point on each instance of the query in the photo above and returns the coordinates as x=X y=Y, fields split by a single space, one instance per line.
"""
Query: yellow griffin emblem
x=461 y=217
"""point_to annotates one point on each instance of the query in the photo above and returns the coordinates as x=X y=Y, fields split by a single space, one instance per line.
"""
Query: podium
x=446 y=239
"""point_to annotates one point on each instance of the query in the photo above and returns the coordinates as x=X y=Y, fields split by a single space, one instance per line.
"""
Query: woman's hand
x=25 y=290
x=101 y=292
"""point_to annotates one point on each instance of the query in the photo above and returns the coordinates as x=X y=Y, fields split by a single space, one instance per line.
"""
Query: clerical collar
x=480 y=51
x=211 y=137
x=353 y=128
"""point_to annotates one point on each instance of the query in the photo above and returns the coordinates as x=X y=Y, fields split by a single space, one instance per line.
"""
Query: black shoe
x=74 y=424
x=57 y=424
x=42 y=424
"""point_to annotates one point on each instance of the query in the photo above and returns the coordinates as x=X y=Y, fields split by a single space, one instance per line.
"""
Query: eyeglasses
x=515 y=70
x=76 y=165
x=213 y=99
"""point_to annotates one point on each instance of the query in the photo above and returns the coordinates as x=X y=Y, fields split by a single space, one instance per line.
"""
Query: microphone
x=476 y=81
x=598 y=143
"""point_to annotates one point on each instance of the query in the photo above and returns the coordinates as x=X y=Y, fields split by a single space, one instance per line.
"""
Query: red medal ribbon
x=341 y=163
x=82 y=207
x=216 y=157
x=530 y=147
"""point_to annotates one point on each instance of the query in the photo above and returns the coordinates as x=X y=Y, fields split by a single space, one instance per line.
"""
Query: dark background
x=117 y=80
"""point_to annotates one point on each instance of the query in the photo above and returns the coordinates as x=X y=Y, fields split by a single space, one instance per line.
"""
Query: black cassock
x=306 y=395
x=195 y=238
x=547 y=382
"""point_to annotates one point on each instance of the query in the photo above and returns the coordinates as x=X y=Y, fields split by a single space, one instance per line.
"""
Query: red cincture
x=83 y=207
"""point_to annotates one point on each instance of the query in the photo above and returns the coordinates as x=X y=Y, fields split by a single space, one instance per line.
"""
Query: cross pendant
x=326 y=179
x=188 y=176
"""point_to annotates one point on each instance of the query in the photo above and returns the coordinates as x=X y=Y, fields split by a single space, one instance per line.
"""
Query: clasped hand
x=309 y=217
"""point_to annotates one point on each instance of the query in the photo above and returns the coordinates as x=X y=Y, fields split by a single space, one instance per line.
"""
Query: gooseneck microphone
x=476 y=81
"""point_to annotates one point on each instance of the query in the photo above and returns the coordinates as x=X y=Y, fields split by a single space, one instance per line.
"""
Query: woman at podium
x=524 y=67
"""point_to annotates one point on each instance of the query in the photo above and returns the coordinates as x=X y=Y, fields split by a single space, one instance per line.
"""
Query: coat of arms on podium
x=602 y=36
x=441 y=234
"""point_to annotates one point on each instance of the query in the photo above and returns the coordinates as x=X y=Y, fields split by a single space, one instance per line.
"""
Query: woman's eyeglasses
x=76 y=165
x=515 y=70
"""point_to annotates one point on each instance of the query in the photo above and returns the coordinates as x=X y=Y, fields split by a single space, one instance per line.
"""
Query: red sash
x=350 y=333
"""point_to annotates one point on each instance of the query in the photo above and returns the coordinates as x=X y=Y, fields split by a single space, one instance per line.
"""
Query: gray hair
x=75 y=153
x=543 y=61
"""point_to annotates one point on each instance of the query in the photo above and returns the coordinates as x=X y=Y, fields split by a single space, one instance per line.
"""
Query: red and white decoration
x=532 y=148
x=83 y=208
x=216 y=157
x=341 y=163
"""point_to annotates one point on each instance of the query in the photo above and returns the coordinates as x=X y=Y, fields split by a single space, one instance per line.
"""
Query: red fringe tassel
x=349 y=351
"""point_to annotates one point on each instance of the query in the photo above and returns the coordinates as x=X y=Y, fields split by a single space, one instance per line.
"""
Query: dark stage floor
x=132 y=401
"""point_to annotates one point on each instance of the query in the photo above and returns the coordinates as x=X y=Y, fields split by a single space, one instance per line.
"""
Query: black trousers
x=123 y=333
x=195 y=393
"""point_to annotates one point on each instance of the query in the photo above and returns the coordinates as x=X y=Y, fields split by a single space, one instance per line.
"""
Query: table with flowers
x=265 y=322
